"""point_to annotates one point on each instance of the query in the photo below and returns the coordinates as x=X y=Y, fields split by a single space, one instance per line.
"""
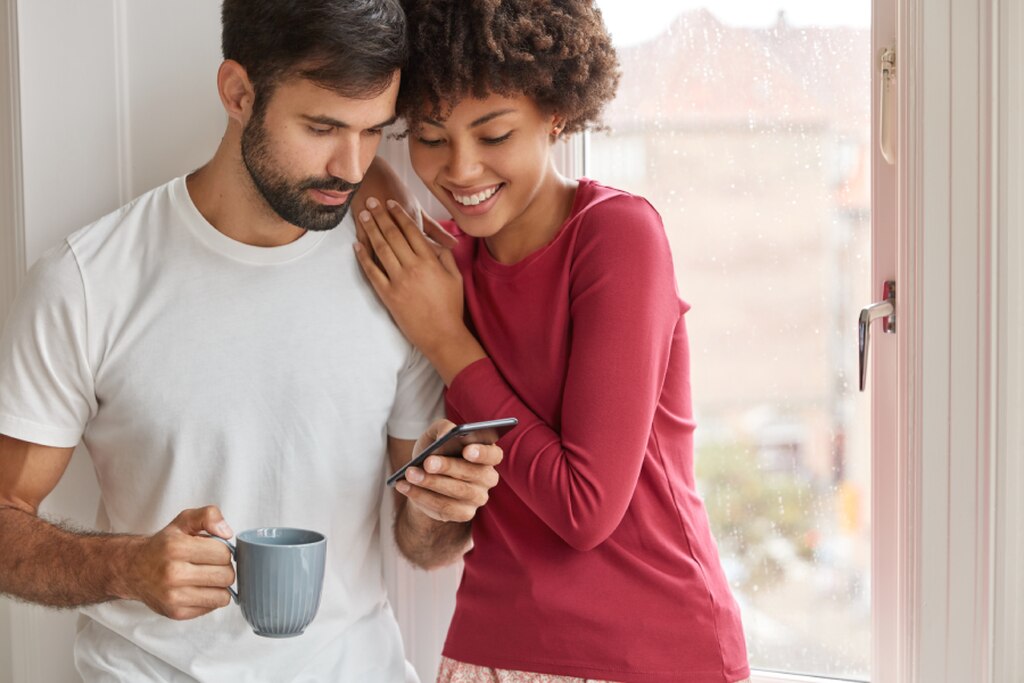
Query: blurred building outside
x=753 y=144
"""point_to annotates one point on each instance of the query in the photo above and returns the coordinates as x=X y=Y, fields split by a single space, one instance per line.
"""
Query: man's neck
x=225 y=195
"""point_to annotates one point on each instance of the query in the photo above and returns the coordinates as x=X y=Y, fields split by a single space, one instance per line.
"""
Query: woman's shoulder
x=594 y=196
x=620 y=241
x=606 y=214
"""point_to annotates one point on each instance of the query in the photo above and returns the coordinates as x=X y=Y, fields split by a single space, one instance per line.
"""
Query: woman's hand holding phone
x=445 y=486
x=454 y=441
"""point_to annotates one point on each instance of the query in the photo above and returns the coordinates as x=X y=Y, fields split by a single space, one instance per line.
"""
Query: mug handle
x=234 y=556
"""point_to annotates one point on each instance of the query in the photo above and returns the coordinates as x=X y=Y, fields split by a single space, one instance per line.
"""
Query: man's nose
x=346 y=163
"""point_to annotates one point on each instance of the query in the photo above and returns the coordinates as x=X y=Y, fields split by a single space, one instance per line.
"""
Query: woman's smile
x=474 y=201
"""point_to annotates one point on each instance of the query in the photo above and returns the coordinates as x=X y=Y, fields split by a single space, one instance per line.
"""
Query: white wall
x=11 y=253
x=174 y=119
x=68 y=117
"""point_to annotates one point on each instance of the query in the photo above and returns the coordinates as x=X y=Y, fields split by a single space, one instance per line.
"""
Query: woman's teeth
x=474 y=199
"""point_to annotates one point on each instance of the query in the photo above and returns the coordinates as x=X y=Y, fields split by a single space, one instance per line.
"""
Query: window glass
x=748 y=128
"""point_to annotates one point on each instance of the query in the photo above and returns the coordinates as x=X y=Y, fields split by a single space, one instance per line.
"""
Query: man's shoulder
x=55 y=273
x=128 y=223
x=382 y=182
x=96 y=252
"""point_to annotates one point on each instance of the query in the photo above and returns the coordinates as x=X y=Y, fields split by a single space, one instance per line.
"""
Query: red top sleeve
x=622 y=310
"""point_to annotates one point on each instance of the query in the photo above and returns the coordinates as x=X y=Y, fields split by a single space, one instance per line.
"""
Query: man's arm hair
x=424 y=541
x=55 y=565
x=44 y=562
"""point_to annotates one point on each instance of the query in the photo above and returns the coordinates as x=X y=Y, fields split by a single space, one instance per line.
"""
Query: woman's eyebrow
x=488 y=117
x=479 y=122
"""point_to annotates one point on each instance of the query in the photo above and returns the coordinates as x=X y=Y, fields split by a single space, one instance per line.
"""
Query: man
x=214 y=346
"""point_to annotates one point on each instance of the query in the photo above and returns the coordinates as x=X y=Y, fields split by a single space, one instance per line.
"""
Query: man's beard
x=290 y=200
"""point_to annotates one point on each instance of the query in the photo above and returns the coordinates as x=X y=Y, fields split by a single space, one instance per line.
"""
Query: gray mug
x=280 y=574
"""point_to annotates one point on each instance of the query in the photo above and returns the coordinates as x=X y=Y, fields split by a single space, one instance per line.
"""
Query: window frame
x=1008 y=584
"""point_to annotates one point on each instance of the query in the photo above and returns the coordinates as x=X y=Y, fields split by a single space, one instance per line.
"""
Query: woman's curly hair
x=558 y=52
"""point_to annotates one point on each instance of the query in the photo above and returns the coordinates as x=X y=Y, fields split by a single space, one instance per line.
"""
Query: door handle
x=885 y=309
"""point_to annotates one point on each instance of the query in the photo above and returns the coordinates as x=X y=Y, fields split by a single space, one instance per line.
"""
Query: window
x=750 y=133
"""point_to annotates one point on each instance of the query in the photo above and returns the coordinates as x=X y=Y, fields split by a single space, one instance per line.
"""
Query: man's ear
x=235 y=90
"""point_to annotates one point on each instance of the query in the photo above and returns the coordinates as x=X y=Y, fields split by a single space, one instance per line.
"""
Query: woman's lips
x=482 y=207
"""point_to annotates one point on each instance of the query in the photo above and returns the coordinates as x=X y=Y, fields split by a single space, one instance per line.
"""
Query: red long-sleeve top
x=593 y=557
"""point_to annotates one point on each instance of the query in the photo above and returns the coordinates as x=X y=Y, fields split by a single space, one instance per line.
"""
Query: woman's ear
x=557 y=125
x=236 y=91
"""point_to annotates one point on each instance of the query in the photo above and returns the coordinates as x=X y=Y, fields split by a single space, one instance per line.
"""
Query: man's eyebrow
x=479 y=122
x=328 y=121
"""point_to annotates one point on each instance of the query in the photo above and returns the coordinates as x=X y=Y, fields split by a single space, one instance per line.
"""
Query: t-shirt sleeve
x=624 y=310
x=46 y=384
x=417 y=398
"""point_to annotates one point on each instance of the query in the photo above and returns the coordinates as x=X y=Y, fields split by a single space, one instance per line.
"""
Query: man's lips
x=330 y=197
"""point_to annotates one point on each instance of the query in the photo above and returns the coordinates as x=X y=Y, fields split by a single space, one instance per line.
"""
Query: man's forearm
x=50 y=565
x=426 y=542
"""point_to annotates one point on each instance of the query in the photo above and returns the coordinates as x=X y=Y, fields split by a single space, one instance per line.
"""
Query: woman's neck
x=538 y=224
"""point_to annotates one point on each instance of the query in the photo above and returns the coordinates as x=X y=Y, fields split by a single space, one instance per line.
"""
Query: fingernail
x=414 y=475
x=372 y=203
x=473 y=453
x=365 y=215
x=224 y=530
x=402 y=487
x=357 y=246
x=433 y=464
x=392 y=203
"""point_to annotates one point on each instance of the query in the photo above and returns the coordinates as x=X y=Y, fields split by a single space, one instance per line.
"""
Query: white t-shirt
x=199 y=370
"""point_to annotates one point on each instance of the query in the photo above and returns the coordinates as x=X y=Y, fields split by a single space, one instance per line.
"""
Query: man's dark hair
x=352 y=47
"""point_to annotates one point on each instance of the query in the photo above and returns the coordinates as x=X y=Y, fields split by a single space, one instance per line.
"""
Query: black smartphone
x=455 y=439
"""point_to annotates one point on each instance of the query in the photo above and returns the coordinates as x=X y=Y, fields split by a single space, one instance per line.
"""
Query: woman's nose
x=462 y=165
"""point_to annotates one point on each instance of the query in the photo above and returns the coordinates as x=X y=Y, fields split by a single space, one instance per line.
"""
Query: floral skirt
x=452 y=671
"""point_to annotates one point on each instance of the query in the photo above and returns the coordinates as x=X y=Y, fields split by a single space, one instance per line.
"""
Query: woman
x=593 y=558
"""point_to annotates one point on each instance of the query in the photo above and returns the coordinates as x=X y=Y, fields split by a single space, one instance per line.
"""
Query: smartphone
x=454 y=440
